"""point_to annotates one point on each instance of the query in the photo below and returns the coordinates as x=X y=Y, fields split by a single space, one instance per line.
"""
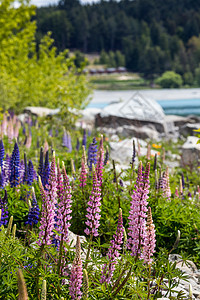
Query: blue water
x=181 y=107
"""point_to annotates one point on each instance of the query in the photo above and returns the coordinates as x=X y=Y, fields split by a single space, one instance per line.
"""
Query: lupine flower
x=93 y=209
x=155 y=162
x=15 y=166
x=69 y=142
x=106 y=156
x=77 y=144
x=150 y=239
x=10 y=131
x=65 y=139
x=134 y=154
x=50 y=132
x=148 y=152
x=156 y=180
x=64 y=208
x=181 y=187
x=59 y=182
x=84 y=141
x=76 y=277
x=6 y=169
x=4 y=209
x=49 y=197
x=137 y=213
x=84 y=158
x=2 y=153
x=31 y=173
x=16 y=129
x=46 y=147
x=4 y=125
x=41 y=163
x=113 y=251
x=1 y=179
x=34 y=211
x=92 y=154
x=183 y=180
x=99 y=167
x=46 y=171
x=83 y=175
x=28 y=141
x=176 y=192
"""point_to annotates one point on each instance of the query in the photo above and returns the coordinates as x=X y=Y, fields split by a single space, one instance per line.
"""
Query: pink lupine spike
x=64 y=208
x=10 y=131
x=49 y=198
x=99 y=167
x=137 y=213
x=83 y=175
x=4 y=125
x=166 y=185
x=28 y=141
x=16 y=129
x=150 y=239
x=176 y=192
x=59 y=182
x=113 y=251
x=93 y=209
x=76 y=277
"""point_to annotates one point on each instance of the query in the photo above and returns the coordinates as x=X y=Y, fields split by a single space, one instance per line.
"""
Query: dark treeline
x=154 y=35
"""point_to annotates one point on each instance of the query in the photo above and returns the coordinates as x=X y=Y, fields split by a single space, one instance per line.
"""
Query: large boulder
x=137 y=111
x=191 y=151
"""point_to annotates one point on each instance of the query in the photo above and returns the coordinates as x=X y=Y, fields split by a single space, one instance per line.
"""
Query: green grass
x=113 y=82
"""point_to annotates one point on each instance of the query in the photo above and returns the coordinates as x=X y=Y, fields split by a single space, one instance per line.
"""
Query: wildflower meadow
x=75 y=227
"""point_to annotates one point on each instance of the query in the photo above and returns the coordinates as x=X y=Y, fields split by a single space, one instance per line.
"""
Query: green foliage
x=112 y=59
x=170 y=79
x=35 y=78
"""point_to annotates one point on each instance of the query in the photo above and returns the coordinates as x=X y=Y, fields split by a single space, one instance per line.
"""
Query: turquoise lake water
x=171 y=107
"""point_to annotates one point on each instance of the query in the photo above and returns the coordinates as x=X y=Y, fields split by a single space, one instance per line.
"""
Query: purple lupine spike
x=113 y=251
x=65 y=139
x=93 y=209
x=183 y=180
x=83 y=175
x=15 y=166
x=4 y=210
x=84 y=141
x=69 y=142
x=137 y=213
x=77 y=145
x=49 y=198
x=150 y=239
x=34 y=211
x=76 y=276
x=1 y=179
x=2 y=153
x=50 y=132
x=31 y=173
x=92 y=154
x=64 y=208
x=106 y=156
x=24 y=130
x=46 y=170
x=41 y=163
